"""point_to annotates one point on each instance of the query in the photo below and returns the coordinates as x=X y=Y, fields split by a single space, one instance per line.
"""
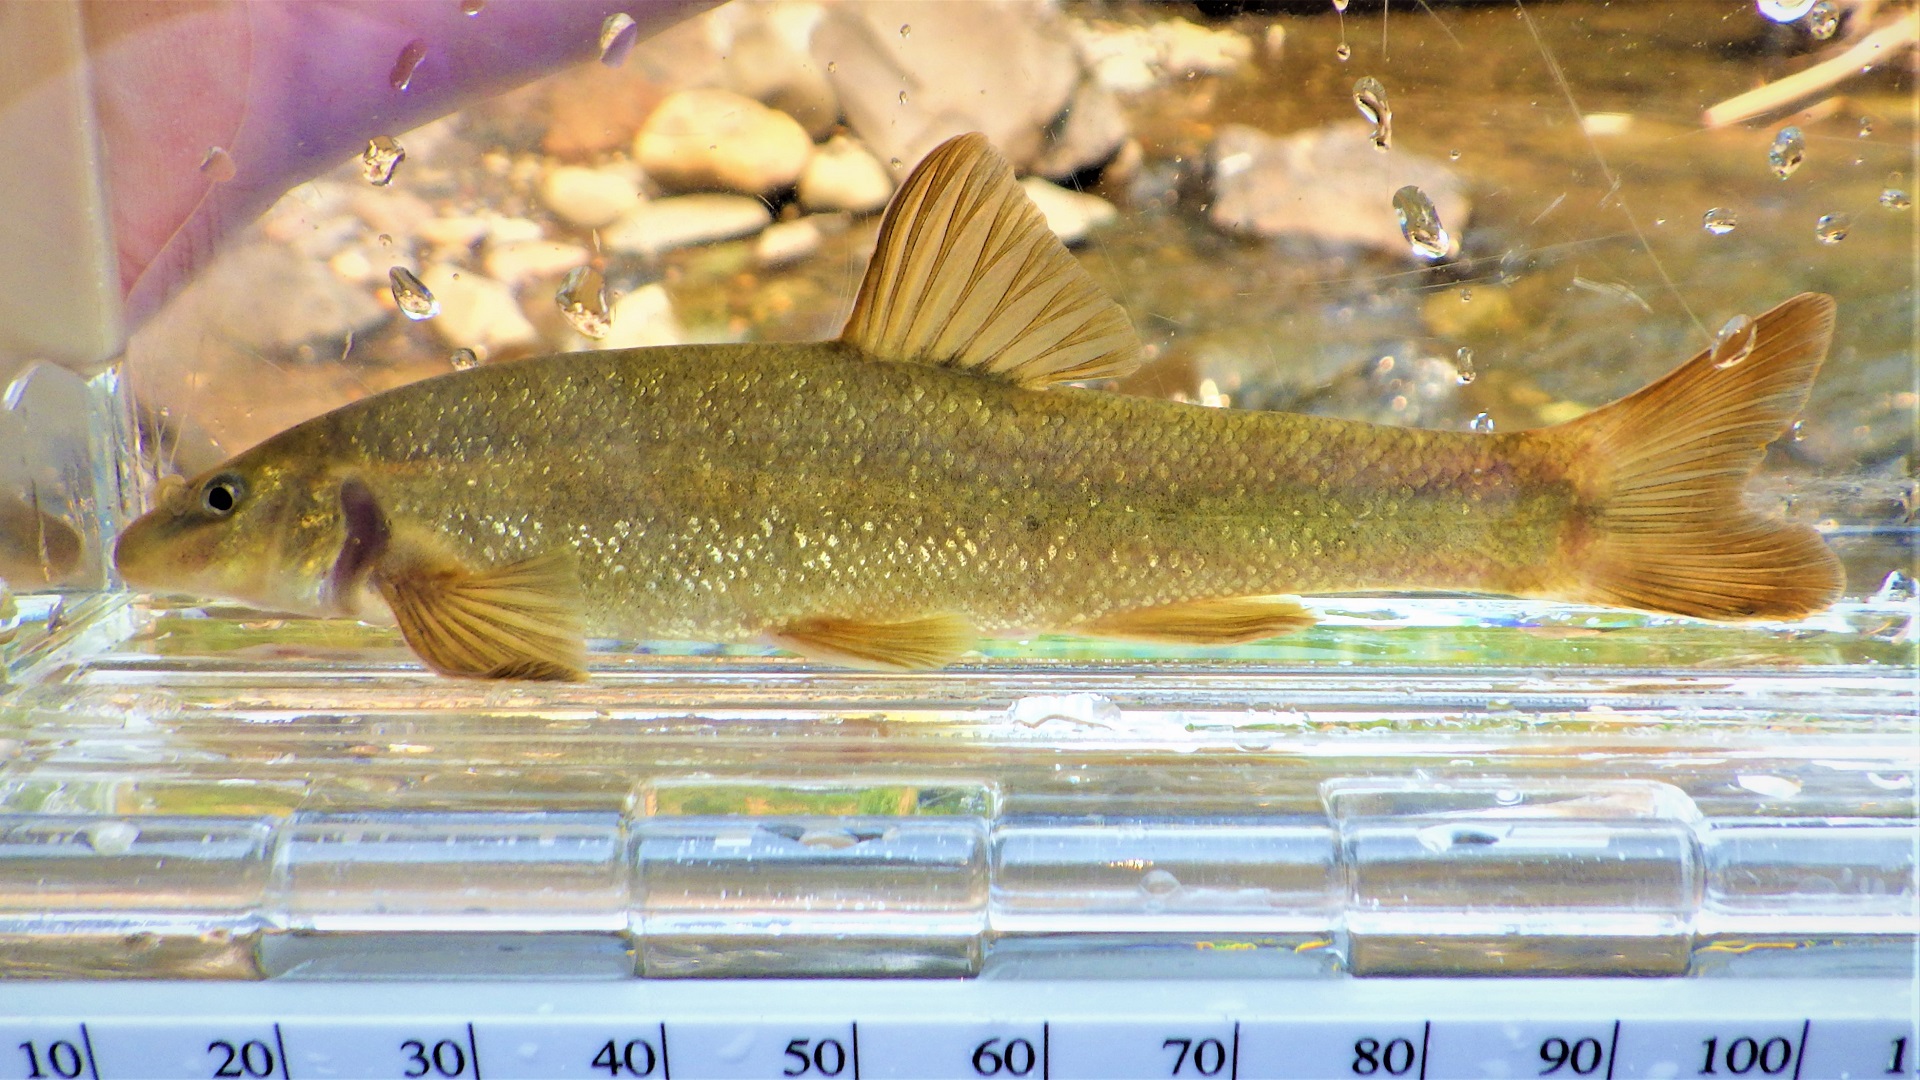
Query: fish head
x=262 y=529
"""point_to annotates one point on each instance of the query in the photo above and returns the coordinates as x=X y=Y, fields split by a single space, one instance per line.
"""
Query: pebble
x=709 y=139
x=524 y=259
x=1132 y=59
x=684 y=220
x=843 y=175
x=787 y=242
x=642 y=318
x=588 y=198
x=476 y=312
x=767 y=60
x=310 y=301
x=1070 y=214
x=1324 y=183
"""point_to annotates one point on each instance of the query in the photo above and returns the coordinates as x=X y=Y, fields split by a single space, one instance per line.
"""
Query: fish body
x=881 y=498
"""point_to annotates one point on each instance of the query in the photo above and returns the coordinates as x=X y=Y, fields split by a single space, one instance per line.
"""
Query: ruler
x=1413 y=1029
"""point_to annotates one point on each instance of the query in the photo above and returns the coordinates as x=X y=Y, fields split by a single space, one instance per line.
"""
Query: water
x=618 y=35
x=1832 y=228
x=583 y=300
x=1823 y=19
x=1420 y=223
x=1734 y=342
x=1895 y=199
x=406 y=64
x=1719 y=221
x=1463 y=366
x=1789 y=149
x=381 y=157
x=1371 y=99
x=415 y=300
x=218 y=165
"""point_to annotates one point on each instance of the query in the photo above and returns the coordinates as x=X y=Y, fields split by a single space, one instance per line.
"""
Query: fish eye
x=221 y=494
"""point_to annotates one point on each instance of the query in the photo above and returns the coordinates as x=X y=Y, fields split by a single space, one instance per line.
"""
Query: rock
x=767 y=60
x=787 y=243
x=516 y=262
x=640 y=318
x=1004 y=69
x=476 y=311
x=683 y=220
x=1070 y=214
x=1088 y=135
x=1325 y=183
x=717 y=139
x=842 y=175
x=588 y=198
x=1130 y=59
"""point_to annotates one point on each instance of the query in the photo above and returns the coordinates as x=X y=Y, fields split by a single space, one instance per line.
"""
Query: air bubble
x=1823 y=18
x=1719 y=221
x=1789 y=149
x=583 y=300
x=1481 y=423
x=464 y=359
x=415 y=301
x=906 y=31
x=218 y=165
x=1340 y=5
x=1832 y=228
x=896 y=163
x=1785 y=11
x=380 y=158
x=1370 y=97
x=618 y=35
x=1772 y=787
x=1453 y=155
x=1343 y=52
x=1866 y=126
x=1733 y=343
x=470 y=8
x=903 y=97
x=1463 y=366
x=833 y=66
x=1420 y=223
x=1159 y=883
x=1798 y=432
x=111 y=837
x=1895 y=199
x=406 y=63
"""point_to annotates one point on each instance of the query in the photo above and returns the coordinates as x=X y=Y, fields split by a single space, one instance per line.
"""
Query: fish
x=882 y=499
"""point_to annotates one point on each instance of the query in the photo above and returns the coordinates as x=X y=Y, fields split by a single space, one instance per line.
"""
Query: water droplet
x=1719 y=221
x=1343 y=52
x=1420 y=223
x=1832 y=228
x=1866 y=126
x=1371 y=99
x=1772 y=787
x=896 y=163
x=1463 y=366
x=470 y=8
x=1798 y=431
x=1789 y=149
x=1895 y=199
x=1785 y=11
x=903 y=97
x=1823 y=18
x=1481 y=423
x=1734 y=342
x=1466 y=295
x=1895 y=588
x=414 y=300
x=218 y=165
x=385 y=240
x=404 y=65
x=1453 y=155
x=618 y=35
x=1340 y=5
x=906 y=31
x=464 y=360
x=583 y=300
x=381 y=157
x=1159 y=883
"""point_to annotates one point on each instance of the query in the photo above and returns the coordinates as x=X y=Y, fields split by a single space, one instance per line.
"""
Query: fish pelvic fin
x=1660 y=474
x=519 y=621
x=967 y=275
x=1231 y=620
x=910 y=645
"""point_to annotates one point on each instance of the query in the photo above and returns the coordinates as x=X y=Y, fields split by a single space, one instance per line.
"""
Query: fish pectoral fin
x=523 y=620
x=1227 y=621
x=911 y=645
x=967 y=275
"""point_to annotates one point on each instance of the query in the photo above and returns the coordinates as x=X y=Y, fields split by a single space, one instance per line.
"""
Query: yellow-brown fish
x=882 y=498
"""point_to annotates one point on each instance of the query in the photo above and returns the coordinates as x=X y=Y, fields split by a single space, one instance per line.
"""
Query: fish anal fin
x=1660 y=473
x=523 y=620
x=909 y=645
x=967 y=275
x=1228 y=620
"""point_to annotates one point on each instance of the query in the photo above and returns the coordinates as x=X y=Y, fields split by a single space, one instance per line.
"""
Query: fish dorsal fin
x=967 y=275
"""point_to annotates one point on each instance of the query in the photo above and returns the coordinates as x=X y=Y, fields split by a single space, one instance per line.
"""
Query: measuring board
x=1417 y=1029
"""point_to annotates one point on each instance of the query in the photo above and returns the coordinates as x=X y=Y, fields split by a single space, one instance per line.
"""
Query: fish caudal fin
x=1660 y=474
x=519 y=621
x=909 y=645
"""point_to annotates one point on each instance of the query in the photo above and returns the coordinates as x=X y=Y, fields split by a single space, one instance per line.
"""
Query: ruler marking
x=1800 y=1055
x=86 y=1040
x=855 y=1026
x=285 y=1073
x=1612 y=1047
x=666 y=1063
x=1426 y=1035
x=1046 y=1050
x=1234 y=1072
x=473 y=1046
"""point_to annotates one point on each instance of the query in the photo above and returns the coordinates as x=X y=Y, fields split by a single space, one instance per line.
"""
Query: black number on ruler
x=444 y=1058
x=1395 y=1057
x=1745 y=1054
x=58 y=1058
x=1898 y=1065
x=1016 y=1057
x=251 y=1058
x=827 y=1057
x=1207 y=1056
x=1581 y=1056
x=636 y=1057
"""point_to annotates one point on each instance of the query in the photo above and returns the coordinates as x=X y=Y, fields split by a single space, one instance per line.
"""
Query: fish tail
x=1659 y=479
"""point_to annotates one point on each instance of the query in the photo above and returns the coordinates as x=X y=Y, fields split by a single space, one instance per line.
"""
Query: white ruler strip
x=1426 y=1029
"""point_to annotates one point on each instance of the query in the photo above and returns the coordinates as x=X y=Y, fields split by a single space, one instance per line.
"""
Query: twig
x=1869 y=52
